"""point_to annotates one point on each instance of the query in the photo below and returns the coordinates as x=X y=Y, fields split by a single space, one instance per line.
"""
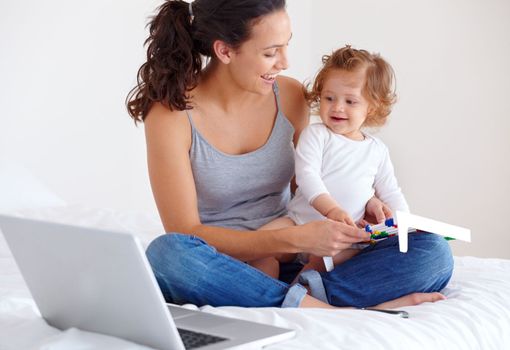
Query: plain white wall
x=66 y=69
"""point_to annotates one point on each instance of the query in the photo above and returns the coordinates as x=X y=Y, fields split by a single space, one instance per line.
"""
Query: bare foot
x=406 y=300
x=411 y=299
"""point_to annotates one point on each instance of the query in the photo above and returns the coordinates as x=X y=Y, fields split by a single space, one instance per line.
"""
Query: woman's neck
x=216 y=87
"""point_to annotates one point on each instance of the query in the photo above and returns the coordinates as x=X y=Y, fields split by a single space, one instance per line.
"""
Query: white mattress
x=476 y=314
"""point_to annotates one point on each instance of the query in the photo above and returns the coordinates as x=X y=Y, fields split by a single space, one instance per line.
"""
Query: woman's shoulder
x=285 y=81
x=163 y=123
x=162 y=115
x=291 y=90
x=293 y=103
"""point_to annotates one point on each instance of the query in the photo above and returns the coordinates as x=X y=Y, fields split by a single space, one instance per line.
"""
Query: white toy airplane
x=409 y=223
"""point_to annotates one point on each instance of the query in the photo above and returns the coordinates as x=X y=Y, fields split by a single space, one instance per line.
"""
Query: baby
x=339 y=167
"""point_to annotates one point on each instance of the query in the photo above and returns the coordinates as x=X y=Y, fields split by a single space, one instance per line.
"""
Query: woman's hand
x=375 y=212
x=327 y=237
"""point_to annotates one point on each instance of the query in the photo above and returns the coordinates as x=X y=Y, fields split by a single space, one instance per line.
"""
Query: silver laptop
x=101 y=281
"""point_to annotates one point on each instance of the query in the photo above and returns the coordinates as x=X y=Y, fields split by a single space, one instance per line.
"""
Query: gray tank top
x=248 y=190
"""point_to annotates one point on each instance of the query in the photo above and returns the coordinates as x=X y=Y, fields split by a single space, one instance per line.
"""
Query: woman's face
x=256 y=63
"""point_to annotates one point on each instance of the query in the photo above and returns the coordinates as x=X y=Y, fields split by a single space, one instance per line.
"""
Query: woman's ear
x=222 y=51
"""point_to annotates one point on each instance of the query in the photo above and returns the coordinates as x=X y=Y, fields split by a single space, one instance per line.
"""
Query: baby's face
x=343 y=108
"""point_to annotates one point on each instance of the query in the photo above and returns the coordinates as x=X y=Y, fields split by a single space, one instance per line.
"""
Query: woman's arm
x=168 y=137
x=295 y=109
x=293 y=104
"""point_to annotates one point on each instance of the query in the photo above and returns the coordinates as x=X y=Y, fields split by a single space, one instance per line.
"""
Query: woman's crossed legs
x=189 y=270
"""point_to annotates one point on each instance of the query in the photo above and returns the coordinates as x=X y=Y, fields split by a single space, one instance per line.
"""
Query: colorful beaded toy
x=382 y=231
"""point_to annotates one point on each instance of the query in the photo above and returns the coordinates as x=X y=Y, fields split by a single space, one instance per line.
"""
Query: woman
x=220 y=156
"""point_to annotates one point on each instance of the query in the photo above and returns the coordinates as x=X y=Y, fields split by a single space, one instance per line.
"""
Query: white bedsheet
x=476 y=314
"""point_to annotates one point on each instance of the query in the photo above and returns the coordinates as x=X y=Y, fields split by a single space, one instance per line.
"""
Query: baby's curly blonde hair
x=379 y=87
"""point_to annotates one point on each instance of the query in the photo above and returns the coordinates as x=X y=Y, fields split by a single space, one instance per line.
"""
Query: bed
x=476 y=314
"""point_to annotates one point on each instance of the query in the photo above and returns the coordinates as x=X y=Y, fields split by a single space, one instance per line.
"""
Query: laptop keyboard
x=194 y=340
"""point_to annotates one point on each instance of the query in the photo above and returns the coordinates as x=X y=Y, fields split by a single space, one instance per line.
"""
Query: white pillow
x=19 y=189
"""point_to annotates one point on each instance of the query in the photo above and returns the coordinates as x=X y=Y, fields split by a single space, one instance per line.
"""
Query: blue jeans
x=188 y=270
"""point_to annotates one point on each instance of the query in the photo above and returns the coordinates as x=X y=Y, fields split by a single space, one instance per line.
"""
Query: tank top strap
x=189 y=118
x=193 y=129
x=276 y=91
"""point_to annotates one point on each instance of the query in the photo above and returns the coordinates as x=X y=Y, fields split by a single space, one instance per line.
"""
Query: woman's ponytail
x=172 y=66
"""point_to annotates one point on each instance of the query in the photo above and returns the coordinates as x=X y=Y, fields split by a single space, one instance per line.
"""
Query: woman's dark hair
x=180 y=36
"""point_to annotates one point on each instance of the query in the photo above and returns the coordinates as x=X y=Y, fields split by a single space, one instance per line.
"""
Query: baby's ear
x=371 y=111
x=372 y=118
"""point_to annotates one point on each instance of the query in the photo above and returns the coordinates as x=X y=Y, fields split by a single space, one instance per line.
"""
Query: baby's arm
x=376 y=212
x=328 y=207
x=386 y=186
x=309 y=153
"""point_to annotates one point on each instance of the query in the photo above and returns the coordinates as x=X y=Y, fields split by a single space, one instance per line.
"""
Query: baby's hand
x=340 y=215
x=376 y=212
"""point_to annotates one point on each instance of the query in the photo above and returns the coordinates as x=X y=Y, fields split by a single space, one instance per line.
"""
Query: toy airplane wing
x=407 y=220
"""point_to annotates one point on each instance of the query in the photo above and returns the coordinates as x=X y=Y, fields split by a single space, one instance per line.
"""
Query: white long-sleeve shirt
x=350 y=171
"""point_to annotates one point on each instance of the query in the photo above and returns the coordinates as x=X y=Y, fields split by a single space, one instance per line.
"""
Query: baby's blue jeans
x=188 y=270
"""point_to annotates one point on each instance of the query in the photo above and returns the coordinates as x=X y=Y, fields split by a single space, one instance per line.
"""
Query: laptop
x=101 y=281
